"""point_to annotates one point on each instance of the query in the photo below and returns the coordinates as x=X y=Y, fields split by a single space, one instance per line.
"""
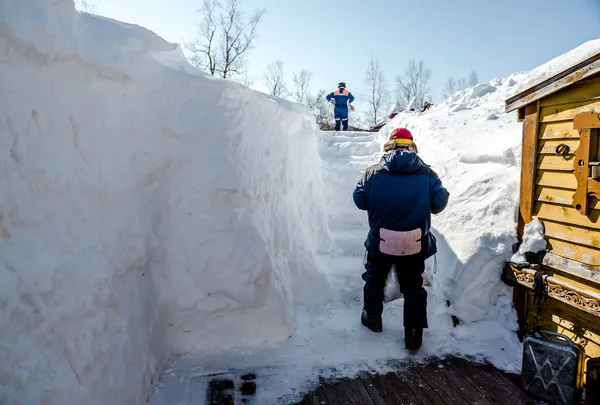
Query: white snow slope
x=145 y=209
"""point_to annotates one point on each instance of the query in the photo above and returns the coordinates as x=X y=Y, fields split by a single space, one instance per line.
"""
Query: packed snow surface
x=149 y=211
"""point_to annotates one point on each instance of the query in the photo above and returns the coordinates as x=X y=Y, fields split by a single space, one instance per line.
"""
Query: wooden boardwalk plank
x=359 y=389
x=329 y=393
x=373 y=391
x=510 y=389
x=351 y=396
x=462 y=386
x=420 y=388
x=442 y=382
x=388 y=395
x=444 y=390
x=402 y=392
x=481 y=384
x=336 y=394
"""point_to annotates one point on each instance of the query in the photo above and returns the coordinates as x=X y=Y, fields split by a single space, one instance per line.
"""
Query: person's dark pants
x=410 y=275
x=341 y=117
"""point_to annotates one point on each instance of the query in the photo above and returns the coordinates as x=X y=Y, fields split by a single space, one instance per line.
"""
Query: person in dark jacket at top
x=399 y=194
x=342 y=99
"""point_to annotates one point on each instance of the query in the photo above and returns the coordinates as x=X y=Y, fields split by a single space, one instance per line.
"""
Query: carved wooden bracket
x=586 y=156
x=577 y=297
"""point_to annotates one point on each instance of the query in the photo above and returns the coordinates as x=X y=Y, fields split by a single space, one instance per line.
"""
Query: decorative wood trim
x=587 y=120
x=582 y=171
x=573 y=268
x=577 y=297
x=555 y=83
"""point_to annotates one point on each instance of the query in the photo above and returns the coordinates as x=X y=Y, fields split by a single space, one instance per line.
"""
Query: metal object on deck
x=552 y=368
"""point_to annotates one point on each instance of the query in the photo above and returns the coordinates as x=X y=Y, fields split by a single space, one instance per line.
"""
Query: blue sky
x=335 y=39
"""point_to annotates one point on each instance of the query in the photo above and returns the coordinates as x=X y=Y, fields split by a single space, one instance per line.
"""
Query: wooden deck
x=441 y=382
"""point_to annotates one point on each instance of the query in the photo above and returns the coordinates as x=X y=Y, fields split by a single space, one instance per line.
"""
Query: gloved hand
x=330 y=104
x=351 y=106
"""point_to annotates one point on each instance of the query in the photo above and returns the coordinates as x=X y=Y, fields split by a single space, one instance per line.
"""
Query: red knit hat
x=402 y=136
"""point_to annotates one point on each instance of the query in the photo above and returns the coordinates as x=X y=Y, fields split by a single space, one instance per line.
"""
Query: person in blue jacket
x=342 y=100
x=399 y=194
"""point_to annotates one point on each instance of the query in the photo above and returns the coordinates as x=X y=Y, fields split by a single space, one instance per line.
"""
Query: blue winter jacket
x=341 y=97
x=400 y=193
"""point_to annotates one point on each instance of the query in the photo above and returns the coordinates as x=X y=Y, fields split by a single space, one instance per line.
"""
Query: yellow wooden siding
x=556 y=179
x=558 y=130
x=560 y=196
x=573 y=251
x=568 y=215
x=558 y=163
x=566 y=112
x=569 y=233
x=548 y=147
x=584 y=91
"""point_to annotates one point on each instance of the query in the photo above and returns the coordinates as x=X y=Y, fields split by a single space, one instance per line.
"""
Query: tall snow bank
x=145 y=209
x=476 y=149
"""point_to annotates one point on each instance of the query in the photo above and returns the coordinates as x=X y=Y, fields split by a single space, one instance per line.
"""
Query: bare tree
x=274 y=79
x=225 y=36
x=301 y=85
x=450 y=87
x=89 y=6
x=205 y=49
x=461 y=84
x=318 y=106
x=414 y=83
x=377 y=92
x=473 y=78
x=245 y=79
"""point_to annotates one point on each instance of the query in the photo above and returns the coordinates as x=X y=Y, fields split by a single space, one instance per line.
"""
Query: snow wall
x=145 y=209
x=475 y=147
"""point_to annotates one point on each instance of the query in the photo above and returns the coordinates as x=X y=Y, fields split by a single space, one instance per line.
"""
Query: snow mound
x=476 y=149
x=533 y=241
x=146 y=209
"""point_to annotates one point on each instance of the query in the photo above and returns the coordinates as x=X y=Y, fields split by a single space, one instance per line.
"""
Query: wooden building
x=560 y=184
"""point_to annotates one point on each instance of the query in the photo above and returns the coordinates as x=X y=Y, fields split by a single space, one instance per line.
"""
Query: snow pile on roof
x=146 y=209
x=558 y=64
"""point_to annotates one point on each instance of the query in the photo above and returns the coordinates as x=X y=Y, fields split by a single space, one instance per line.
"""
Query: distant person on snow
x=342 y=100
x=399 y=194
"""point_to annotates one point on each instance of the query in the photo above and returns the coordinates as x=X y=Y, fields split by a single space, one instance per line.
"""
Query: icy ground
x=328 y=339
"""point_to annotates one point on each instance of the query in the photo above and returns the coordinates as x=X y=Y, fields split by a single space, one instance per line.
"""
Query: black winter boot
x=413 y=338
x=372 y=322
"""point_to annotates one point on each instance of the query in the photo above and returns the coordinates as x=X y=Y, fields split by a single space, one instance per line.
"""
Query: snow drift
x=146 y=209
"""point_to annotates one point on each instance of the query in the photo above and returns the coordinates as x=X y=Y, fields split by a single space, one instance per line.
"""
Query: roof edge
x=555 y=83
